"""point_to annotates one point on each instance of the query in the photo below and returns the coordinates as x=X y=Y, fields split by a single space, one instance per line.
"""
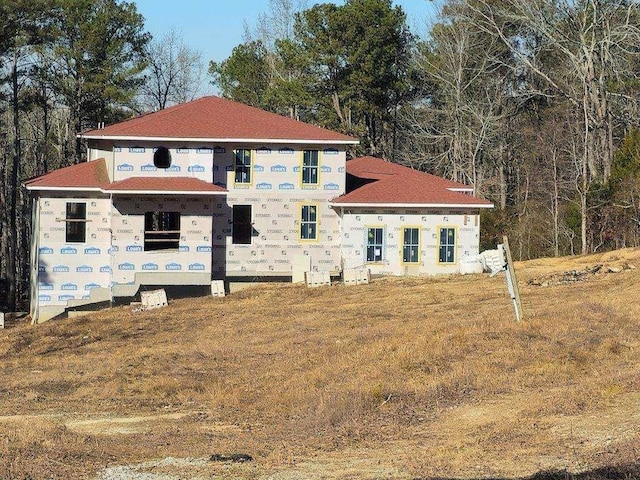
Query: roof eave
x=163 y=192
x=220 y=140
x=411 y=205
x=64 y=189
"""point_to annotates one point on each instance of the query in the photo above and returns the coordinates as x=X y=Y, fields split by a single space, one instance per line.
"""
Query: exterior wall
x=67 y=273
x=135 y=159
x=169 y=267
x=276 y=195
x=355 y=223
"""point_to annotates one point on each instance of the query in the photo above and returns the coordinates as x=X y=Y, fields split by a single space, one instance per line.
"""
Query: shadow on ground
x=623 y=472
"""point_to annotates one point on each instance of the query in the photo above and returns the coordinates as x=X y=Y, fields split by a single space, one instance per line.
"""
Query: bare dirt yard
x=416 y=378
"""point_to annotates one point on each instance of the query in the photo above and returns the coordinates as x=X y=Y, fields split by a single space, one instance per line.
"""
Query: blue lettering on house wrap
x=65 y=298
x=45 y=250
x=61 y=268
x=196 y=266
x=45 y=286
x=92 y=251
x=136 y=150
x=296 y=169
x=148 y=168
x=219 y=149
x=126 y=266
x=174 y=168
x=124 y=167
x=42 y=268
x=331 y=186
x=263 y=150
x=325 y=169
x=258 y=168
x=150 y=266
x=203 y=248
x=84 y=269
x=216 y=168
x=330 y=151
x=173 y=266
x=196 y=168
x=183 y=248
x=69 y=286
x=113 y=249
x=286 y=150
x=68 y=251
x=264 y=186
x=44 y=298
x=340 y=169
x=182 y=150
x=134 y=248
x=89 y=286
x=117 y=149
x=279 y=168
x=286 y=186
x=204 y=150
x=105 y=269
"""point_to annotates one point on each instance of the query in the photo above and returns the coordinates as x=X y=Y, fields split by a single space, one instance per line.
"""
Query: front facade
x=213 y=189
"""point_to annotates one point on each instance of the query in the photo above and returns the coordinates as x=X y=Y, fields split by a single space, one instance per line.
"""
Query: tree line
x=533 y=102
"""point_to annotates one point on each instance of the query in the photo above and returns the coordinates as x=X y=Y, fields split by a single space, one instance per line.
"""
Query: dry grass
x=402 y=378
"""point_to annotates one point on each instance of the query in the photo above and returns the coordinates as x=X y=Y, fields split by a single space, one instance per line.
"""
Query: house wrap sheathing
x=213 y=189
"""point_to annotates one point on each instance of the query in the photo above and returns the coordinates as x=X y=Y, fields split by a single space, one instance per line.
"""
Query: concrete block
x=153 y=299
x=356 y=276
x=318 y=279
x=217 y=288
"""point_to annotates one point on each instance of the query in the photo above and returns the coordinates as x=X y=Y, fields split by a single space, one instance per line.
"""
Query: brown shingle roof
x=216 y=119
x=181 y=185
x=84 y=176
x=394 y=184
x=93 y=176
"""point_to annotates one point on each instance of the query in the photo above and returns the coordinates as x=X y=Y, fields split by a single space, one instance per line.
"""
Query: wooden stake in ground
x=512 y=283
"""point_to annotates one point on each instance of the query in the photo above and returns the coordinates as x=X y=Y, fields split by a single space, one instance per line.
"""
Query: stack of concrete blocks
x=318 y=279
x=153 y=299
x=217 y=288
x=356 y=276
x=494 y=261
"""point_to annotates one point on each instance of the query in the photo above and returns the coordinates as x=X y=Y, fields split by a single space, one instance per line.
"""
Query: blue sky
x=214 y=27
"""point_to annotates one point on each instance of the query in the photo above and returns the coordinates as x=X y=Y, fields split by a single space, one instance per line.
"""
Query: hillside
x=402 y=378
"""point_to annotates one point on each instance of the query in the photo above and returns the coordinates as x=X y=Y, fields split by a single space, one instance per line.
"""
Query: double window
x=310 y=167
x=242 y=165
x=447 y=246
x=309 y=223
x=411 y=245
x=76 y=222
x=374 y=244
x=161 y=231
x=242 y=228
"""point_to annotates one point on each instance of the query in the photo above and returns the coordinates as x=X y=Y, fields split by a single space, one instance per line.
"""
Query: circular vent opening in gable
x=162 y=157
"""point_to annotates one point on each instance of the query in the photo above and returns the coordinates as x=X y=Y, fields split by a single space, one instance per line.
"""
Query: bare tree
x=587 y=47
x=175 y=73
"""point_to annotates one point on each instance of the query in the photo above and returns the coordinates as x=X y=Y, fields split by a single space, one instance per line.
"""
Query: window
x=310 y=167
x=162 y=157
x=243 y=166
x=447 y=250
x=161 y=230
x=309 y=223
x=76 y=222
x=242 y=228
x=374 y=244
x=410 y=245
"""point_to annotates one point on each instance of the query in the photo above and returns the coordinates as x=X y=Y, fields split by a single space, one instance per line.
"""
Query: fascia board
x=220 y=140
